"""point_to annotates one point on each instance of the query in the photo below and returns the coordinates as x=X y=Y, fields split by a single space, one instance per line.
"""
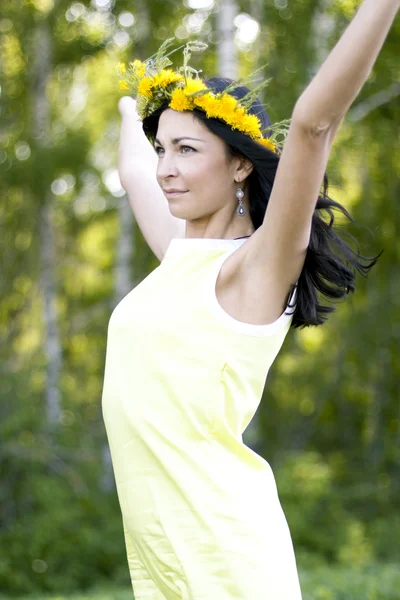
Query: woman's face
x=194 y=170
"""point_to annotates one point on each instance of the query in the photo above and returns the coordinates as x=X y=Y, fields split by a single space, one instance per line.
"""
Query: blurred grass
x=375 y=582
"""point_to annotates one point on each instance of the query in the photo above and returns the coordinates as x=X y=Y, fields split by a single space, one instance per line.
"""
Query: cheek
x=194 y=172
x=218 y=179
x=210 y=174
x=157 y=172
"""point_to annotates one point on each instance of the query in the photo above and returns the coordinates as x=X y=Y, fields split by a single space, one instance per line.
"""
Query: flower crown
x=153 y=85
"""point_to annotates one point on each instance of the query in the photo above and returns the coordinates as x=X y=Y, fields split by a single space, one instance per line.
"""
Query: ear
x=243 y=168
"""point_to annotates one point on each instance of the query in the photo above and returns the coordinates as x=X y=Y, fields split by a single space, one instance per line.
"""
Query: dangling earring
x=240 y=209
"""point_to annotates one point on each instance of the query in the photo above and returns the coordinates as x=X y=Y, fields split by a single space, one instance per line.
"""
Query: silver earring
x=240 y=209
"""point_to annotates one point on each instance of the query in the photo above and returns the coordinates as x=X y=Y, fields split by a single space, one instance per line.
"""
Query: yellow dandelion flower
x=228 y=105
x=237 y=122
x=210 y=104
x=217 y=111
x=229 y=118
x=213 y=110
x=251 y=125
x=123 y=85
x=201 y=101
x=267 y=144
x=121 y=67
x=138 y=67
x=194 y=85
x=165 y=77
x=179 y=100
x=144 y=87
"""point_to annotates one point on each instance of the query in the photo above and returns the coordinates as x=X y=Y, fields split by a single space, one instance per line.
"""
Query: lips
x=173 y=191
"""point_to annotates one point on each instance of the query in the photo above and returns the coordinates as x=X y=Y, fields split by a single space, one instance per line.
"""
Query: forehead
x=173 y=123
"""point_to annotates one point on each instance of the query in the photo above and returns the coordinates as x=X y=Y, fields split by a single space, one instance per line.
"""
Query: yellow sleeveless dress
x=183 y=379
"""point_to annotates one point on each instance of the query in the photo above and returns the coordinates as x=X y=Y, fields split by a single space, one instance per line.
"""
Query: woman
x=189 y=348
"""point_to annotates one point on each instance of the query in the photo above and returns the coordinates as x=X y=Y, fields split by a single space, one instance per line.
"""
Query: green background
x=329 y=419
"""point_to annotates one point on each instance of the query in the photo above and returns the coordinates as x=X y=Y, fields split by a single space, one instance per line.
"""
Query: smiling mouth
x=174 y=192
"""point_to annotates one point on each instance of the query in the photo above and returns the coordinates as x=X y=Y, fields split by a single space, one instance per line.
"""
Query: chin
x=178 y=212
x=177 y=207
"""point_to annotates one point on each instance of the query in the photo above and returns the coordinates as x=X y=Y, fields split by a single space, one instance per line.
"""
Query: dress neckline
x=207 y=242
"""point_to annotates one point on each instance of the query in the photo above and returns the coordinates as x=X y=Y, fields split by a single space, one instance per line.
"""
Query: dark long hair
x=330 y=265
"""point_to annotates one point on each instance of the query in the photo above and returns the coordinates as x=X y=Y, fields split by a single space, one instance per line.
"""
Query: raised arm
x=280 y=244
x=341 y=77
x=137 y=171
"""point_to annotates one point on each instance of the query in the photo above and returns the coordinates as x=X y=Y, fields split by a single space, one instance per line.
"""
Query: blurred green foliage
x=329 y=419
x=333 y=583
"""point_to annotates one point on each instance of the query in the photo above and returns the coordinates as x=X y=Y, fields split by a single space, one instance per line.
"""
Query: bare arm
x=137 y=171
x=280 y=244
x=342 y=75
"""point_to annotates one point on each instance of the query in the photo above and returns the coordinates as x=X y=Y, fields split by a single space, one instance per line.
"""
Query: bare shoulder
x=248 y=289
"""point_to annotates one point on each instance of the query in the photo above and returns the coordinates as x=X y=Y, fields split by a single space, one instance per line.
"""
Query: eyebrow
x=176 y=141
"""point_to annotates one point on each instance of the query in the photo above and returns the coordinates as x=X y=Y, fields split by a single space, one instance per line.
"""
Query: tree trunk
x=227 y=55
x=40 y=73
x=125 y=242
x=323 y=22
x=52 y=338
x=123 y=279
x=259 y=47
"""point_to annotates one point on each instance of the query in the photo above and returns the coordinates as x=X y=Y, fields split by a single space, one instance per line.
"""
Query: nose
x=166 y=166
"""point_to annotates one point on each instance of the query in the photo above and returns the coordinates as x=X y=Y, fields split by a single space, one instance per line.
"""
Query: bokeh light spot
x=22 y=150
x=196 y=4
x=126 y=19
x=39 y=566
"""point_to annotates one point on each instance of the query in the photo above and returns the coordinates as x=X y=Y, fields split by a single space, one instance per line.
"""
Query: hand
x=127 y=107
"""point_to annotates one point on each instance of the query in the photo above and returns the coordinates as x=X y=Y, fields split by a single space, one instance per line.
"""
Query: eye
x=187 y=149
x=158 y=150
